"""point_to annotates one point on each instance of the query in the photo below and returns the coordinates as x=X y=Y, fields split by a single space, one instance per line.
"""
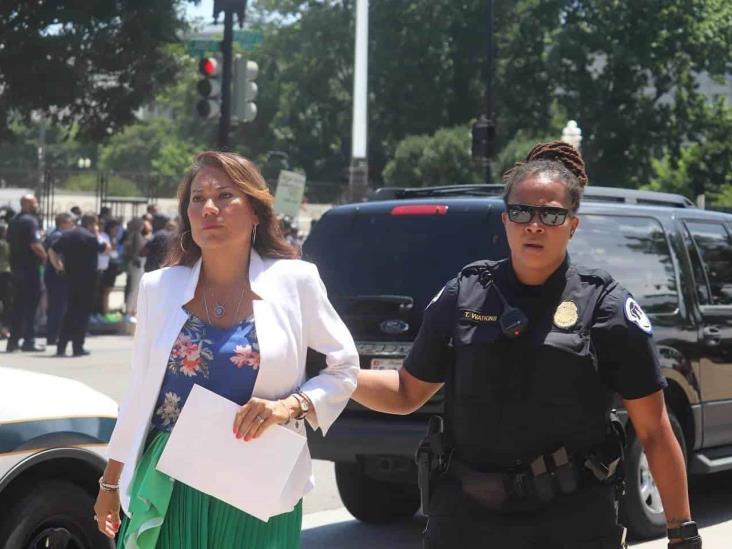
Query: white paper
x=203 y=452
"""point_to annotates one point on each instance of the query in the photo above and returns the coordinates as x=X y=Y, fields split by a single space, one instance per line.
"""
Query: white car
x=53 y=437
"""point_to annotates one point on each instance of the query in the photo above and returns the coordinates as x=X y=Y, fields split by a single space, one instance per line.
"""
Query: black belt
x=539 y=483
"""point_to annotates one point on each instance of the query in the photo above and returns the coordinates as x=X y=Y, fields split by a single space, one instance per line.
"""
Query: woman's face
x=219 y=212
x=536 y=247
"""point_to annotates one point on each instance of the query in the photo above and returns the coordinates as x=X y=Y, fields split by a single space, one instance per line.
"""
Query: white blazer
x=293 y=314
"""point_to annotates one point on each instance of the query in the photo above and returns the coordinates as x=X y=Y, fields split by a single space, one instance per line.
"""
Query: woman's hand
x=257 y=415
x=106 y=512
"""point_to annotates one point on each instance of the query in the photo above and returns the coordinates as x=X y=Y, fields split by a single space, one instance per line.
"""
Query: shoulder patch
x=635 y=314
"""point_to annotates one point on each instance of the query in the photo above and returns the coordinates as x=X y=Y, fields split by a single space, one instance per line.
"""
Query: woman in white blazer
x=234 y=312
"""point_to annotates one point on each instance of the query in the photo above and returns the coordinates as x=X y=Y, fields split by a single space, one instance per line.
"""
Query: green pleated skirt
x=171 y=515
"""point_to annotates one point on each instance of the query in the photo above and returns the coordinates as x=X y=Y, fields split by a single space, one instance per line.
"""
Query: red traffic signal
x=209 y=67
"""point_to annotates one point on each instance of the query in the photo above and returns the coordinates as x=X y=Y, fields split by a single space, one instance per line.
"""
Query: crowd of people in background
x=56 y=281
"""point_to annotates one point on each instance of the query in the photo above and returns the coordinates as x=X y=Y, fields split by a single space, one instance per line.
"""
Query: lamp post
x=572 y=134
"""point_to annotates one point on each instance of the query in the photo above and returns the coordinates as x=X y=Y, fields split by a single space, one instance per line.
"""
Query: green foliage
x=151 y=147
x=87 y=182
x=515 y=151
x=89 y=64
x=703 y=166
x=425 y=59
x=441 y=159
x=624 y=70
x=404 y=170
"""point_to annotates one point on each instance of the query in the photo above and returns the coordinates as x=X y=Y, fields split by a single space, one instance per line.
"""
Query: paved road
x=326 y=523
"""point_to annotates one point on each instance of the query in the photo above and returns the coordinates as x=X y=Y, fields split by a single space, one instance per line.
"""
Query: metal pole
x=358 y=179
x=226 y=53
x=489 y=108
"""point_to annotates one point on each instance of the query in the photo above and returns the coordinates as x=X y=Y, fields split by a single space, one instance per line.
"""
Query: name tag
x=479 y=317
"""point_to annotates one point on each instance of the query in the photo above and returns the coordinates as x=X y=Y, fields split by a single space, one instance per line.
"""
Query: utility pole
x=484 y=129
x=359 y=171
x=489 y=97
x=229 y=7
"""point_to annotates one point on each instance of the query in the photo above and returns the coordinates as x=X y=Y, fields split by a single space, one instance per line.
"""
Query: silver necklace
x=219 y=309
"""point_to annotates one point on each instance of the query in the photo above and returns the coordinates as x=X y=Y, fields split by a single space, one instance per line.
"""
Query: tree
x=440 y=159
x=703 y=166
x=624 y=70
x=423 y=56
x=84 y=64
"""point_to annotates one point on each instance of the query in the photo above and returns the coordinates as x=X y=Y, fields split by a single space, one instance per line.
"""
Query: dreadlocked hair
x=556 y=160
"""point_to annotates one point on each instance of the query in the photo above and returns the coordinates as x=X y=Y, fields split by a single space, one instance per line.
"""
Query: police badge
x=566 y=315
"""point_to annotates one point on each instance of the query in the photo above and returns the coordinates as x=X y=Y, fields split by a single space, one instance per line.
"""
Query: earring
x=182 y=237
x=571 y=234
x=254 y=234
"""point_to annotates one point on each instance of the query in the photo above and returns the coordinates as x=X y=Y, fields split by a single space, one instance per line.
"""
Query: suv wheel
x=375 y=501
x=641 y=509
x=54 y=514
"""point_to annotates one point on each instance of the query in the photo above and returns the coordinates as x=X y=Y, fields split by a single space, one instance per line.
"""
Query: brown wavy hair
x=244 y=174
x=555 y=159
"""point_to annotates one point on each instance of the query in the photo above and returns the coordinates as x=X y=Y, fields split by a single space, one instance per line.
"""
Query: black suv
x=382 y=261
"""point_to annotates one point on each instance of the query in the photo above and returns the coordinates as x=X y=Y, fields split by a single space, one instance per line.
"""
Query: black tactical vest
x=510 y=400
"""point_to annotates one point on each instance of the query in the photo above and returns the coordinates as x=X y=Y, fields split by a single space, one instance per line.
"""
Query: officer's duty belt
x=545 y=478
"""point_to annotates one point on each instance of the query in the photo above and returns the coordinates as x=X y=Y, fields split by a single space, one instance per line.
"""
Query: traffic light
x=209 y=87
x=245 y=89
x=484 y=139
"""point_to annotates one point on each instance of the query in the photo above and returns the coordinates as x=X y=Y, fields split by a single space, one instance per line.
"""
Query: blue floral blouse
x=225 y=361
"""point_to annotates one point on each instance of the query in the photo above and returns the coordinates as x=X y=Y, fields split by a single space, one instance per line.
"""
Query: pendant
x=219 y=310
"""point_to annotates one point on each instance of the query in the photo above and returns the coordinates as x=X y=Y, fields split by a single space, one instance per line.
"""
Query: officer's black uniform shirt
x=22 y=232
x=627 y=361
x=80 y=248
x=508 y=400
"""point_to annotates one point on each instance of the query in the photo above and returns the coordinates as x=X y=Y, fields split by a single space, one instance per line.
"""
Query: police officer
x=26 y=256
x=530 y=351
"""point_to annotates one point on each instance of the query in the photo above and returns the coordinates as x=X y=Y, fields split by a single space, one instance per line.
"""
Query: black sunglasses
x=548 y=215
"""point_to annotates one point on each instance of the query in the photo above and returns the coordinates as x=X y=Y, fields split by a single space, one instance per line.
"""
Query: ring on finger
x=260 y=419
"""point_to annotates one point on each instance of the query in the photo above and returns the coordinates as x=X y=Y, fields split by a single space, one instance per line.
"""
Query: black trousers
x=6 y=298
x=57 y=293
x=76 y=320
x=584 y=520
x=27 y=285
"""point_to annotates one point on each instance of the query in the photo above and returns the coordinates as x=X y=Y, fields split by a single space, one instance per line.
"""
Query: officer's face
x=537 y=249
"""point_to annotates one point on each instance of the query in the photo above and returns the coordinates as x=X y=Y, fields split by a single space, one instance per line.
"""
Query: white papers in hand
x=203 y=452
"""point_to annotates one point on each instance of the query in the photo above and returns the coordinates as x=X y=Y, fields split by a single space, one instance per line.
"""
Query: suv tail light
x=420 y=209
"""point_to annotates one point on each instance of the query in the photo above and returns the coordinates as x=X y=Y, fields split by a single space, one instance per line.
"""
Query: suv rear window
x=634 y=250
x=376 y=253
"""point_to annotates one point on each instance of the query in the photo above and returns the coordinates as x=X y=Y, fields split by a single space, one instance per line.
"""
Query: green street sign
x=201 y=47
x=248 y=39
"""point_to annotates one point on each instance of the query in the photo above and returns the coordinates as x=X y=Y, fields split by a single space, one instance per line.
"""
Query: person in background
x=134 y=243
x=26 y=257
x=109 y=276
x=5 y=282
x=79 y=248
x=56 y=285
x=103 y=261
x=76 y=213
x=157 y=248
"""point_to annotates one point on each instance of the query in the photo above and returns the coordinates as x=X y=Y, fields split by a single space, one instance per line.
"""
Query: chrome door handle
x=712 y=336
